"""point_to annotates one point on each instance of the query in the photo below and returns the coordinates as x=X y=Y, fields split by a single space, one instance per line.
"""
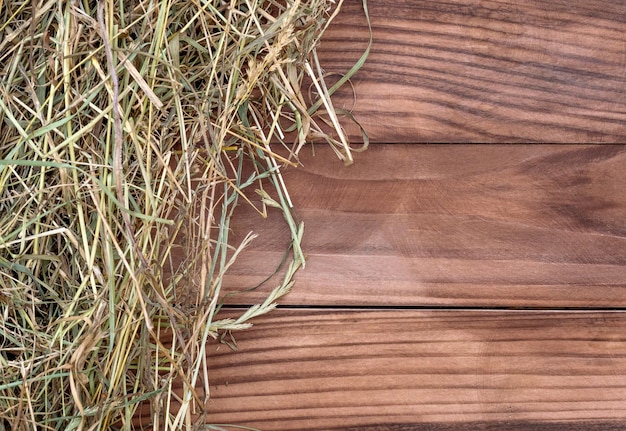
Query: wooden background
x=485 y=70
x=452 y=287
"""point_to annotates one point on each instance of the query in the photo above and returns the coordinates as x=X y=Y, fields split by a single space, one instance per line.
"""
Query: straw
x=129 y=132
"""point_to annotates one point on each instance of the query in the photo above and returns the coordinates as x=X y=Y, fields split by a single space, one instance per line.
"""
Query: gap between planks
x=240 y=307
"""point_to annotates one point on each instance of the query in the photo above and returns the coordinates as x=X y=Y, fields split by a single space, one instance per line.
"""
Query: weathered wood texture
x=485 y=70
x=424 y=370
x=447 y=226
x=451 y=225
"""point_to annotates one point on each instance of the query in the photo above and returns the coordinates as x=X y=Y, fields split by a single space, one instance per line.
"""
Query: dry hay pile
x=124 y=127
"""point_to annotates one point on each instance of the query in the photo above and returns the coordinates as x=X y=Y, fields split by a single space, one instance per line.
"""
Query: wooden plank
x=484 y=70
x=423 y=370
x=460 y=225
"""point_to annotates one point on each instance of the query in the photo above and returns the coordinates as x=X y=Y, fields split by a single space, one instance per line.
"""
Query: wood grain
x=424 y=370
x=450 y=226
x=460 y=225
x=484 y=70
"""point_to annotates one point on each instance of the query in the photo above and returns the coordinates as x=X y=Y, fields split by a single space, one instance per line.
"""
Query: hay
x=125 y=132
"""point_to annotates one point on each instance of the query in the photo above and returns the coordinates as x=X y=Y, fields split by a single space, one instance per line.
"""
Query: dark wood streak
x=478 y=71
x=490 y=426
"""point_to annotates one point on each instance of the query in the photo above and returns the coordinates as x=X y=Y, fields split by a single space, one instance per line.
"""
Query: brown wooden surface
x=451 y=225
x=492 y=227
x=424 y=370
x=485 y=71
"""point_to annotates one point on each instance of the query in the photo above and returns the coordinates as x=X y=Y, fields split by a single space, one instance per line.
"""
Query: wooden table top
x=450 y=287
x=447 y=287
